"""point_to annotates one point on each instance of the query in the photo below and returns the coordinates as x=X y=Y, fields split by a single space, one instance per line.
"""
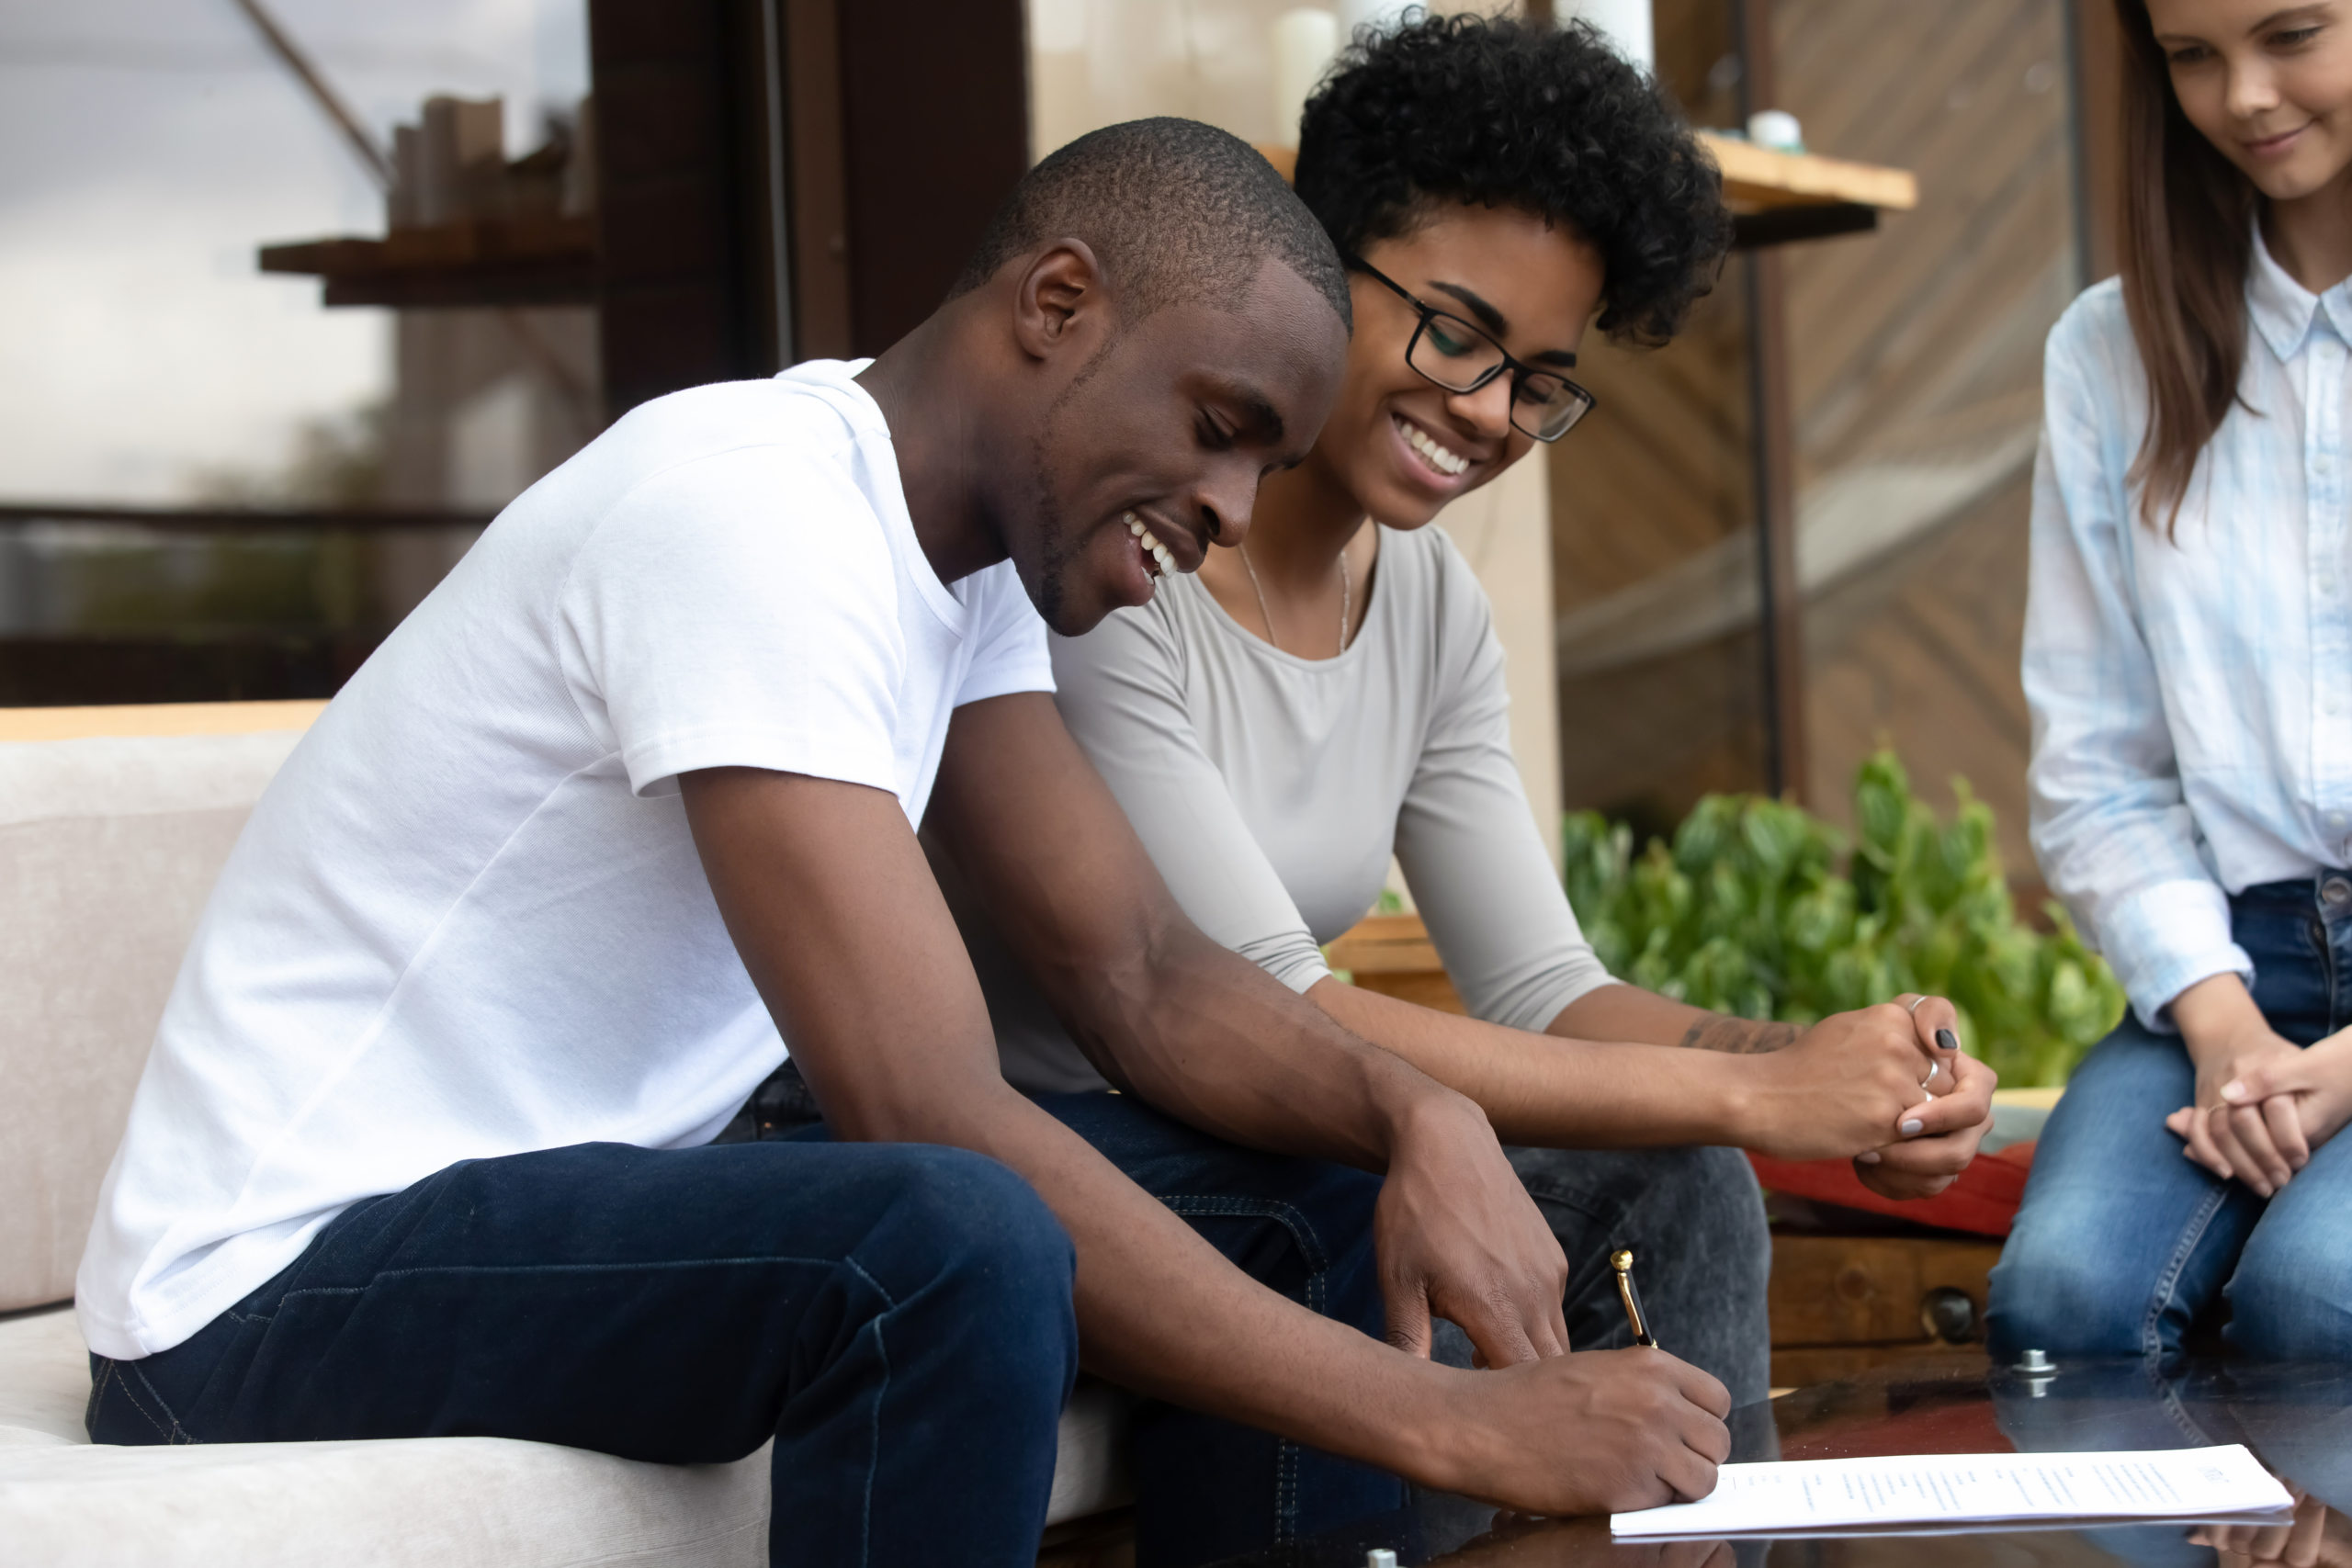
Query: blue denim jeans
x=1207 y=1489
x=1702 y=1250
x=1694 y=1220
x=896 y=1317
x=2122 y=1244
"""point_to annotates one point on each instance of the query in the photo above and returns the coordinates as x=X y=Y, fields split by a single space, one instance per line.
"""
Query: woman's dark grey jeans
x=1694 y=1219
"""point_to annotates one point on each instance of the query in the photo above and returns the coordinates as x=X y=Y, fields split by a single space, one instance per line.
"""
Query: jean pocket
x=101 y=1370
x=125 y=1408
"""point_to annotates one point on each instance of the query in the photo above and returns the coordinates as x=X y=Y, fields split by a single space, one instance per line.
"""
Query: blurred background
x=294 y=295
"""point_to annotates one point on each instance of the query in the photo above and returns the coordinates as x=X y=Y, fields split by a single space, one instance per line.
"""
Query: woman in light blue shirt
x=2188 y=663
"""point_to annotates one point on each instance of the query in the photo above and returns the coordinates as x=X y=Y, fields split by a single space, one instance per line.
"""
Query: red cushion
x=1982 y=1201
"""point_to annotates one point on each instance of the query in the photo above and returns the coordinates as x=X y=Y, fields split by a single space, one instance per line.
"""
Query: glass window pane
x=148 y=150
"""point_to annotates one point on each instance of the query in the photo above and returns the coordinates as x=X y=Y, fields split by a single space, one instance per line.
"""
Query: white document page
x=1800 y=1495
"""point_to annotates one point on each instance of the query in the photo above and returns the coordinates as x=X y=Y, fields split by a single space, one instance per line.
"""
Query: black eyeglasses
x=1455 y=354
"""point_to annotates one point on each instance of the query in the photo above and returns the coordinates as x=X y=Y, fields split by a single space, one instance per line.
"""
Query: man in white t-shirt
x=424 y=1146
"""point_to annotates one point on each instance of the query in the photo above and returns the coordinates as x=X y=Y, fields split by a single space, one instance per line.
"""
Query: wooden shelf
x=148 y=719
x=1840 y=1304
x=1386 y=945
x=1392 y=954
x=538 y=261
x=1778 y=197
x=1757 y=178
x=1775 y=198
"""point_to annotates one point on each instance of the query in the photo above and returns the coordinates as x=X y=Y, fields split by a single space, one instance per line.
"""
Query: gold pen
x=1622 y=1260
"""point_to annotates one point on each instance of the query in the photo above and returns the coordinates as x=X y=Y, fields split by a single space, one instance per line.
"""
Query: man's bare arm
x=832 y=907
x=1210 y=1038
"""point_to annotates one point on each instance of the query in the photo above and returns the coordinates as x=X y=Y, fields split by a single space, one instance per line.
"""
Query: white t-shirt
x=467 y=919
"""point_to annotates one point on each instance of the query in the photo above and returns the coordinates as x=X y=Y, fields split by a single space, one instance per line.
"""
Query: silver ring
x=1932 y=1066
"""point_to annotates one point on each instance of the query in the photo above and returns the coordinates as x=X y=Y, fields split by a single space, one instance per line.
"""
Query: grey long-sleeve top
x=1271 y=790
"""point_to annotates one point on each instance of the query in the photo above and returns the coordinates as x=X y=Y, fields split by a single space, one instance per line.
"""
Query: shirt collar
x=2283 y=310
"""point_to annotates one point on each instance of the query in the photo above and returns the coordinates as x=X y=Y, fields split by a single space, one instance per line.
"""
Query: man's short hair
x=1173 y=209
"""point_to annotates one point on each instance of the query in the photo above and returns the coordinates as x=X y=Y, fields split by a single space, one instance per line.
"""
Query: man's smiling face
x=1161 y=439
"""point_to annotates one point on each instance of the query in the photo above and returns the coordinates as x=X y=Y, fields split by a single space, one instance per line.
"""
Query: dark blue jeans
x=896 y=1317
x=1207 y=1489
x=2121 y=1244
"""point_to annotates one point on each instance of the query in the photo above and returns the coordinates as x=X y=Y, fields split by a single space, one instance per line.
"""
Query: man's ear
x=1062 y=295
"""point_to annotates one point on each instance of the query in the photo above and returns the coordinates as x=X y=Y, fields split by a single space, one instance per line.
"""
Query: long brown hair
x=2186 y=241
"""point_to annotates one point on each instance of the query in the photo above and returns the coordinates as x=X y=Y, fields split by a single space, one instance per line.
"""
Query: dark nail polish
x=1947 y=1039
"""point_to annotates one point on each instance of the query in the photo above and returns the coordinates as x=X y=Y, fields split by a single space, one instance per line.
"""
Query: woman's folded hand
x=2267 y=1109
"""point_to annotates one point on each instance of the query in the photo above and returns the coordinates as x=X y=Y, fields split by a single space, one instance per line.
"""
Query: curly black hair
x=1504 y=113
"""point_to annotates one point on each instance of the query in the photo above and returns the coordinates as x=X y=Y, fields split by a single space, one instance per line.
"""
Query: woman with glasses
x=1332 y=690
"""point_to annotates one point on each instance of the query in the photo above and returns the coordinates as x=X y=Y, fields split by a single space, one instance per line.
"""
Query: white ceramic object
x=1776 y=128
x=1626 y=24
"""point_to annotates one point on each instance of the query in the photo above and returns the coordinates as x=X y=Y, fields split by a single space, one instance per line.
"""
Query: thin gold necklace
x=1267 y=615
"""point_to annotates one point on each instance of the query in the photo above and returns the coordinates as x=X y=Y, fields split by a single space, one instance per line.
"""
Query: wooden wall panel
x=935 y=108
x=679 y=226
x=825 y=162
x=1829 y=1290
x=1657 y=478
x=2098 y=128
x=1923 y=651
x=1914 y=367
x=1919 y=350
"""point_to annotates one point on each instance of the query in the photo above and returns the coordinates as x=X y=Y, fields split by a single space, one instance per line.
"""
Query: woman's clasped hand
x=2263 y=1107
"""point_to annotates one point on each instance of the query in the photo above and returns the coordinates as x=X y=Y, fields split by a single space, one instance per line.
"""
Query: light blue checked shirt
x=2191 y=698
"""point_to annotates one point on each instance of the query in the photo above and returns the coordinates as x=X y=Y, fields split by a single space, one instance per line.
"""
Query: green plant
x=1749 y=912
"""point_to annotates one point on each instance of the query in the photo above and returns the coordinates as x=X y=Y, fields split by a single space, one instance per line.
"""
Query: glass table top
x=2296 y=1419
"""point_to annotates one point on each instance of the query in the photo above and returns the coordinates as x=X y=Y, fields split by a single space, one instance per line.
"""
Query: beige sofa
x=113 y=824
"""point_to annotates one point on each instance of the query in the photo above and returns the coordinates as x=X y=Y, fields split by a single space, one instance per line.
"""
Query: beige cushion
x=108 y=849
x=448 y=1502
x=435 y=1501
